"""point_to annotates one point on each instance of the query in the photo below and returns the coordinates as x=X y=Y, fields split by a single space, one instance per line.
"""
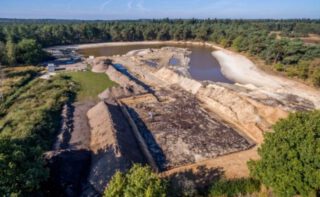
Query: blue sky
x=135 y=9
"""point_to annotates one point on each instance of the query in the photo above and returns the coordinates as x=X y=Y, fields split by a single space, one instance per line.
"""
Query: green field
x=91 y=84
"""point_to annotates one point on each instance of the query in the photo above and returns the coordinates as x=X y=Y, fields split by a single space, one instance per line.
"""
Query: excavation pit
x=178 y=131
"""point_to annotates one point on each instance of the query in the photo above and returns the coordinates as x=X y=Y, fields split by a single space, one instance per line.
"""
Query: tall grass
x=234 y=187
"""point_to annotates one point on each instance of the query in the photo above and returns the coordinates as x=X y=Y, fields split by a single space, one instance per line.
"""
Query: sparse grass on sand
x=91 y=84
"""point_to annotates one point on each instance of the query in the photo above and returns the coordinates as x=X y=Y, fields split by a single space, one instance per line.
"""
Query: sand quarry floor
x=178 y=131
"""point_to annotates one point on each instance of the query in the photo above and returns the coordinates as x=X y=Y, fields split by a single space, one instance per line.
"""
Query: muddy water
x=203 y=66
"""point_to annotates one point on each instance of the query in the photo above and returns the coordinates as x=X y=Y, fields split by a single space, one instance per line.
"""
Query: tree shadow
x=154 y=148
x=124 y=71
x=127 y=142
x=68 y=172
x=193 y=182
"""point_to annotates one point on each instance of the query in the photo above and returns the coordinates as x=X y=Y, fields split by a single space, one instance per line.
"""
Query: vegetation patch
x=234 y=187
x=91 y=84
x=138 y=181
x=290 y=156
x=14 y=80
x=27 y=128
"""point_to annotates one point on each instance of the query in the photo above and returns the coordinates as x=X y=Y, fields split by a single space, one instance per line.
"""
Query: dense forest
x=21 y=40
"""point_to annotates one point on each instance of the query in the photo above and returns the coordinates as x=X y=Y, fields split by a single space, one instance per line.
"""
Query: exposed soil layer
x=75 y=130
x=112 y=142
x=179 y=131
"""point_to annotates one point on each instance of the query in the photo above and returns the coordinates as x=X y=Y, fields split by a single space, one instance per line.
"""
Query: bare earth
x=243 y=71
x=234 y=165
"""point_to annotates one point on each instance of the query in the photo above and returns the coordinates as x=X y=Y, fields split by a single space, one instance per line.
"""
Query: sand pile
x=125 y=80
x=172 y=77
x=102 y=131
x=99 y=65
x=112 y=143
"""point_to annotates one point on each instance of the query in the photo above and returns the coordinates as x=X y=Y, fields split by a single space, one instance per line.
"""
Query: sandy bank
x=110 y=44
x=241 y=70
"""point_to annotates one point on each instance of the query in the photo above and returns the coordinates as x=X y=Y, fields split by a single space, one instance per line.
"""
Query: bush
x=279 y=67
x=290 y=156
x=315 y=77
x=234 y=187
x=314 y=72
x=138 y=181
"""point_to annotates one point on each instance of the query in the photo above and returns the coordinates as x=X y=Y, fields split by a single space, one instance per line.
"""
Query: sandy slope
x=241 y=70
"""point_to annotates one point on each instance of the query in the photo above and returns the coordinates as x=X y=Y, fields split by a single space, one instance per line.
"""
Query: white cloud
x=136 y=5
x=129 y=5
x=102 y=7
x=141 y=6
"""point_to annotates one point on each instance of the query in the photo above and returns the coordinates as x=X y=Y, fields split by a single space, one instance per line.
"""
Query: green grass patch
x=234 y=187
x=91 y=84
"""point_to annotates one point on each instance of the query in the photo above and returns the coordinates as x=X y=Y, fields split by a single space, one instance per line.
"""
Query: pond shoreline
x=234 y=66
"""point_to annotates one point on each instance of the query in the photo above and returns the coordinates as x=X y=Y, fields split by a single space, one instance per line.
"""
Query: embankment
x=243 y=71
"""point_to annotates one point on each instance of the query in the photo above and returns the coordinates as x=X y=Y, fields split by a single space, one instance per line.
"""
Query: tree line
x=21 y=40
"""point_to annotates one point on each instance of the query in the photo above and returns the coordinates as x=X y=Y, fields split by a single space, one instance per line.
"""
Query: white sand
x=241 y=70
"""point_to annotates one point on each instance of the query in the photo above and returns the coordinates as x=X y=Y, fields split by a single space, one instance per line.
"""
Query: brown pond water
x=203 y=66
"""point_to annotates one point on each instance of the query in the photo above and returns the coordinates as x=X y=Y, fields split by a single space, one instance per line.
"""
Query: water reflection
x=203 y=66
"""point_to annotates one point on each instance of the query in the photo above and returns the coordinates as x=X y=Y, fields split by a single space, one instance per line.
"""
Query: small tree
x=11 y=52
x=138 y=181
x=29 y=52
x=290 y=156
x=237 y=43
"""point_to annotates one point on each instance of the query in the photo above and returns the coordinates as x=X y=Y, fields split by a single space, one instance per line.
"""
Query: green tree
x=138 y=181
x=290 y=156
x=236 y=44
x=11 y=52
x=29 y=52
x=116 y=186
x=2 y=52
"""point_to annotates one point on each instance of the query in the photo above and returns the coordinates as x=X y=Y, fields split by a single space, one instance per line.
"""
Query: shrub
x=290 y=156
x=315 y=77
x=138 y=181
x=279 y=67
x=234 y=187
x=314 y=72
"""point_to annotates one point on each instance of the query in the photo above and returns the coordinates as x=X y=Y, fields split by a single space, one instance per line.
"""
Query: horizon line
x=164 y=18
